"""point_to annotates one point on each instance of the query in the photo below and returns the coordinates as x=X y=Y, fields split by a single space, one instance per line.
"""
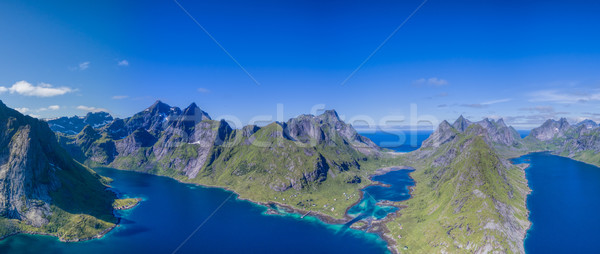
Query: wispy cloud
x=539 y=109
x=51 y=107
x=486 y=103
x=120 y=97
x=28 y=110
x=203 y=90
x=565 y=97
x=123 y=63
x=42 y=90
x=91 y=109
x=84 y=65
x=430 y=81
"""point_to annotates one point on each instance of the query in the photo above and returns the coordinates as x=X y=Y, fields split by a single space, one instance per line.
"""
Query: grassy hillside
x=467 y=200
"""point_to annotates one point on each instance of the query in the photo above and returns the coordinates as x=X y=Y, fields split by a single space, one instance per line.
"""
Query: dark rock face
x=73 y=125
x=33 y=168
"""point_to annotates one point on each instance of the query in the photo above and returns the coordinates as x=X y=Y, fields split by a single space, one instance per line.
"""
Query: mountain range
x=73 y=125
x=307 y=154
x=468 y=197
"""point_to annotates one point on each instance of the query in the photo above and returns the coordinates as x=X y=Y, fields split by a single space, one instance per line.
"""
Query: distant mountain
x=496 y=133
x=305 y=153
x=42 y=189
x=73 y=125
x=468 y=197
x=580 y=141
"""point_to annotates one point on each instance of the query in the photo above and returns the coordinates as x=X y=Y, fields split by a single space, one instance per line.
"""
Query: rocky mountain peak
x=330 y=115
x=589 y=124
x=159 y=107
x=500 y=122
x=551 y=129
x=461 y=124
x=194 y=111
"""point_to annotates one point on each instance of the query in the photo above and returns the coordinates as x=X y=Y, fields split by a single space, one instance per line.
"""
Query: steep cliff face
x=468 y=199
x=42 y=189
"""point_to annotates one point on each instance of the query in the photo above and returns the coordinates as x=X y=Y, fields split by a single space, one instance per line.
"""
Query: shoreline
x=523 y=166
x=377 y=227
x=98 y=236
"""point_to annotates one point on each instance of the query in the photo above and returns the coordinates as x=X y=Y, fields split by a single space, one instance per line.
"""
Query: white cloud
x=22 y=110
x=84 y=65
x=486 y=104
x=565 y=97
x=120 y=97
x=123 y=63
x=431 y=81
x=203 y=90
x=91 y=109
x=42 y=90
x=51 y=107
x=496 y=101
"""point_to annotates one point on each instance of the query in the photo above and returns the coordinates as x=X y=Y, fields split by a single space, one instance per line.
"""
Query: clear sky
x=522 y=60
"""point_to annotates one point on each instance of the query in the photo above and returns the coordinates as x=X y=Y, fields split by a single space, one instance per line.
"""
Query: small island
x=126 y=203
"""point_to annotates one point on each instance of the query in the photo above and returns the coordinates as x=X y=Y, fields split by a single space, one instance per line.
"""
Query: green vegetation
x=463 y=204
x=125 y=203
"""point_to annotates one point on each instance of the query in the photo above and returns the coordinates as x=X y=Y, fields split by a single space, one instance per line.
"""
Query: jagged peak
x=192 y=105
x=159 y=106
x=194 y=110
x=587 y=122
x=445 y=125
x=461 y=123
x=330 y=113
x=501 y=122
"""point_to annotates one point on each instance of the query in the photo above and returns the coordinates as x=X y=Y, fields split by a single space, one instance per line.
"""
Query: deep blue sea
x=171 y=211
x=564 y=205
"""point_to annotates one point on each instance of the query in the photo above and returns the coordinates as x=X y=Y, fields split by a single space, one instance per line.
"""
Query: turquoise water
x=396 y=189
x=397 y=182
x=564 y=205
x=171 y=211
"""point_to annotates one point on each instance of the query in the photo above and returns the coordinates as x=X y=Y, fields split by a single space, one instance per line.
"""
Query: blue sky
x=522 y=60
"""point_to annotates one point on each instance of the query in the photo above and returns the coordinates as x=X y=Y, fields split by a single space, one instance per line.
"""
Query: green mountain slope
x=42 y=189
x=467 y=199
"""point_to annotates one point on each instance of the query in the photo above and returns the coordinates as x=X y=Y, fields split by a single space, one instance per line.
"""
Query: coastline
x=97 y=236
x=377 y=227
x=523 y=166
